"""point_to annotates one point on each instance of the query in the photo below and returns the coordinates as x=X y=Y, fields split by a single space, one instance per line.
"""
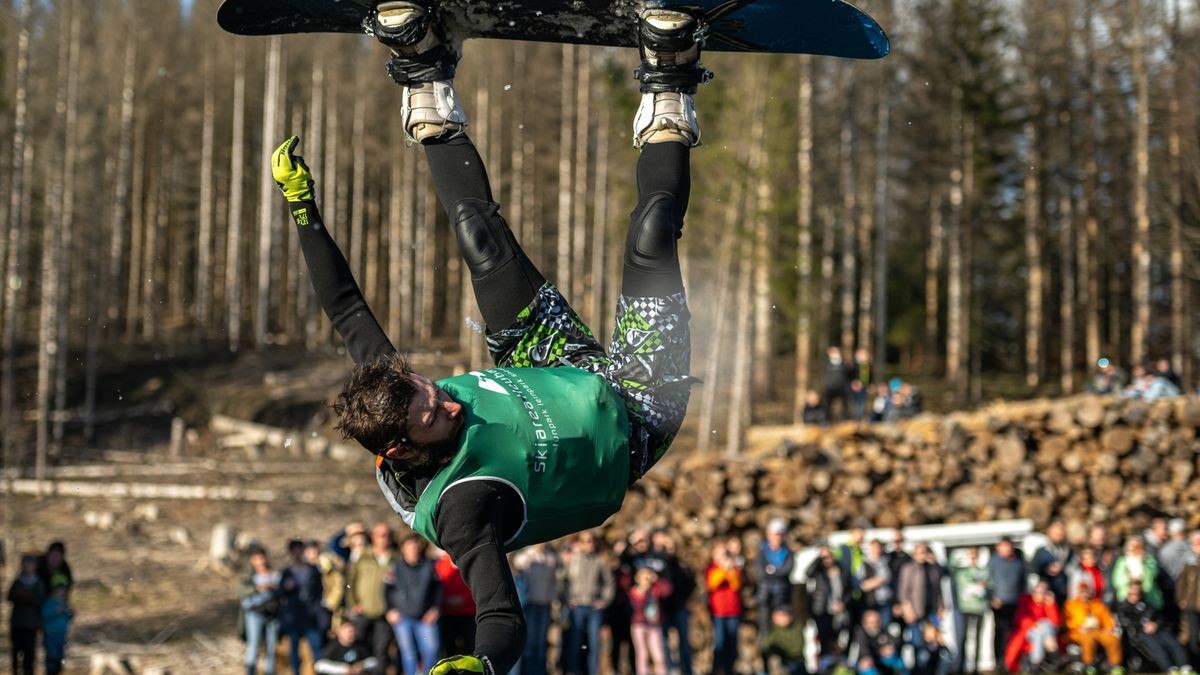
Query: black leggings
x=459 y=174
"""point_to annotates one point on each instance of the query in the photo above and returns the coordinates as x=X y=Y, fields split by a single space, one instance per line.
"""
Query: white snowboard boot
x=423 y=62
x=669 y=42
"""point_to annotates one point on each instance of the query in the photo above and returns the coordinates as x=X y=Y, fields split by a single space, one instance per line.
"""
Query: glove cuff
x=304 y=212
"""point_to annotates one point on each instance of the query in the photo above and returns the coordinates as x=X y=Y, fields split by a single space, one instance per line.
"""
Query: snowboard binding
x=420 y=50
x=423 y=62
x=669 y=42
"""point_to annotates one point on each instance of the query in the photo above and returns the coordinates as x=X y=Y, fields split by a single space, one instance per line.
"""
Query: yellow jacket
x=1077 y=611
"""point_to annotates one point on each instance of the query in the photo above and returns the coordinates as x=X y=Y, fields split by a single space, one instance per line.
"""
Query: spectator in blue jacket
x=300 y=615
x=774 y=573
x=414 y=596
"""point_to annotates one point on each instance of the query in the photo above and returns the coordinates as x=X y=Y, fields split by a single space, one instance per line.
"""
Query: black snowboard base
x=824 y=27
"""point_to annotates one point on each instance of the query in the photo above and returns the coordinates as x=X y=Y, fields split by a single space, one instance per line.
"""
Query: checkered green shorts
x=647 y=362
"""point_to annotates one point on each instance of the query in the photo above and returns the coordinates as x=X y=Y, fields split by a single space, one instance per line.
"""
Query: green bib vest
x=558 y=436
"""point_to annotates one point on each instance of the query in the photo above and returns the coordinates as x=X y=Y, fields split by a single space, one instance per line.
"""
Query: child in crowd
x=56 y=619
x=346 y=655
x=785 y=640
x=646 y=598
x=26 y=594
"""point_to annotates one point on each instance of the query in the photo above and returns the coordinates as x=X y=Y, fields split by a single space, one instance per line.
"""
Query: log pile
x=1083 y=459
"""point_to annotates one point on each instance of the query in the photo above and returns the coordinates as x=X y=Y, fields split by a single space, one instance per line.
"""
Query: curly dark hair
x=373 y=406
x=373 y=410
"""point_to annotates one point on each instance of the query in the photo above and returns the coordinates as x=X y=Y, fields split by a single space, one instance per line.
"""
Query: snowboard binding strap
x=669 y=42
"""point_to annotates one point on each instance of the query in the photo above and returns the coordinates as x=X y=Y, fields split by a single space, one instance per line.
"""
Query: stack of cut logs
x=1083 y=459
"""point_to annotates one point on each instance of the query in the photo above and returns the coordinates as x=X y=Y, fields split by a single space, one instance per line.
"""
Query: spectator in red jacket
x=457 y=622
x=724 y=579
x=1037 y=623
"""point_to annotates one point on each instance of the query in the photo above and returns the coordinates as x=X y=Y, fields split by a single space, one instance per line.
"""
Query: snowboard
x=824 y=27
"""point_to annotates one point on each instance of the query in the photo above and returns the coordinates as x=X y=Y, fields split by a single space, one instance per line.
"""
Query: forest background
x=1008 y=197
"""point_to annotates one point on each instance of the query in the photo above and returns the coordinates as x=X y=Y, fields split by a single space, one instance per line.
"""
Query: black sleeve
x=336 y=289
x=473 y=521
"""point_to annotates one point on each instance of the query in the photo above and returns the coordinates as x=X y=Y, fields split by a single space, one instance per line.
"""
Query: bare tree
x=763 y=250
x=204 y=230
x=804 y=251
x=18 y=191
x=565 y=167
x=70 y=155
x=579 y=200
x=848 y=220
x=1141 y=189
x=956 y=315
x=1035 y=273
x=233 y=273
x=933 y=269
x=268 y=200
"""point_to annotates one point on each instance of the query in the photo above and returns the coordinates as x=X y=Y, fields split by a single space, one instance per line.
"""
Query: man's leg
x=424 y=61
x=651 y=347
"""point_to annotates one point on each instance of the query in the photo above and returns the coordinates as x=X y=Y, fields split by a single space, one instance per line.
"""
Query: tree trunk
x=396 y=261
x=409 y=274
x=933 y=270
x=848 y=220
x=579 y=239
x=1033 y=247
x=517 y=187
x=563 y=273
x=596 y=295
x=1089 y=239
x=763 y=346
x=1175 y=214
x=882 y=142
x=956 y=319
x=204 y=234
x=66 y=255
x=305 y=307
x=233 y=276
x=804 y=262
x=828 y=282
x=116 y=251
x=426 y=261
x=1067 y=251
x=865 y=184
x=18 y=191
x=52 y=263
x=148 y=307
x=725 y=284
x=268 y=205
x=1141 y=194
x=739 y=398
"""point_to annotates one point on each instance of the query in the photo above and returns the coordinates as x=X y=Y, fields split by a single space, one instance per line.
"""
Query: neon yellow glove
x=458 y=665
x=291 y=173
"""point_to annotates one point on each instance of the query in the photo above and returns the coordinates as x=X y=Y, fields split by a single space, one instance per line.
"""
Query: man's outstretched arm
x=336 y=289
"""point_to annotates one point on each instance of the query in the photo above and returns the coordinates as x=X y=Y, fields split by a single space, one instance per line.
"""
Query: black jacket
x=413 y=589
x=301 y=608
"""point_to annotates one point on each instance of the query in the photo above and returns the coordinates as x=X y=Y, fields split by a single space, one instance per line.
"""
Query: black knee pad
x=653 y=232
x=484 y=239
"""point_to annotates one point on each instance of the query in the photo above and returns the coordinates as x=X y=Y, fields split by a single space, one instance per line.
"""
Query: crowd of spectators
x=875 y=607
x=40 y=599
x=1089 y=607
x=1149 y=383
x=849 y=393
x=360 y=602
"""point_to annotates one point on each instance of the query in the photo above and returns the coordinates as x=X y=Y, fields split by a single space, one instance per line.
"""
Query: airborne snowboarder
x=546 y=443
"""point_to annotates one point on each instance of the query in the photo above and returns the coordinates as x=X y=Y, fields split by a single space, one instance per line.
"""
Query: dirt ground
x=145 y=587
